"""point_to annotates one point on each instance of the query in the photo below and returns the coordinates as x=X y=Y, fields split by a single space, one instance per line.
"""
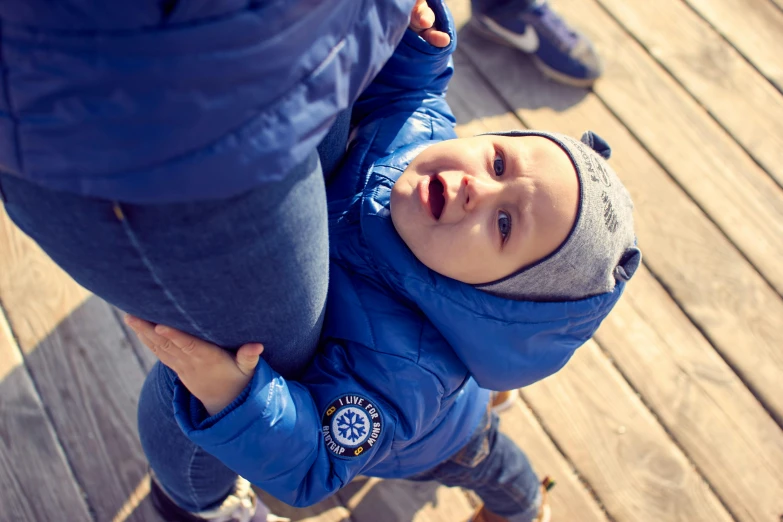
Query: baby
x=457 y=266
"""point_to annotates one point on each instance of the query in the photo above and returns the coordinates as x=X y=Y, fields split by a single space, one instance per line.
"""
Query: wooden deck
x=672 y=413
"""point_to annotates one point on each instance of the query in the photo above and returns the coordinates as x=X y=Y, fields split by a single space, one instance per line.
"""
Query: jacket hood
x=505 y=344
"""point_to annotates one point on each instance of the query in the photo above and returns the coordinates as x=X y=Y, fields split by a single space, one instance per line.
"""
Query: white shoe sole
x=507 y=404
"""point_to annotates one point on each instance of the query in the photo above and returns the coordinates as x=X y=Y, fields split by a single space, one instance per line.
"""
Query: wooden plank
x=476 y=108
x=733 y=91
x=617 y=445
x=86 y=372
x=146 y=358
x=36 y=292
x=737 y=194
x=376 y=500
x=10 y=356
x=755 y=27
x=704 y=406
x=516 y=427
x=90 y=379
x=779 y=3
x=329 y=510
x=36 y=482
x=477 y=112
x=461 y=12
x=570 y=500
x=736 y=309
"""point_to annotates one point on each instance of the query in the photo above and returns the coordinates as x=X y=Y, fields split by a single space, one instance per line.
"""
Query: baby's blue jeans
x=496 y=469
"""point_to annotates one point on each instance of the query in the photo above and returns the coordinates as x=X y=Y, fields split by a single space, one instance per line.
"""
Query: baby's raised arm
x=300 y=441
x=422 y=21
x=213 y=375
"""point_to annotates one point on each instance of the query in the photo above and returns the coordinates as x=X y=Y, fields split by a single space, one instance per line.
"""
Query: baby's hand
x=213 y=375
x=422 y=21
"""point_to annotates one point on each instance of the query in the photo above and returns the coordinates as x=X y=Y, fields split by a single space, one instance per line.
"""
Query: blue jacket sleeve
x=416 y=76
x=303 y=441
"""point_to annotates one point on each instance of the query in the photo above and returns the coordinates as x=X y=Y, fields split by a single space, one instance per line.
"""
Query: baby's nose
x=478 y=192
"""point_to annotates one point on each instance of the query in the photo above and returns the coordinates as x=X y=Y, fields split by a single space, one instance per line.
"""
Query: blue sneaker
x=561 y=53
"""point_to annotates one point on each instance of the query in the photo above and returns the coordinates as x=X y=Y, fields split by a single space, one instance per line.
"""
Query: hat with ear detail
x=597 y=143
x=600 y=249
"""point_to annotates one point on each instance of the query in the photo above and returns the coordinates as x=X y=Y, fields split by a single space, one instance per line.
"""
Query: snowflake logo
x=351 y=425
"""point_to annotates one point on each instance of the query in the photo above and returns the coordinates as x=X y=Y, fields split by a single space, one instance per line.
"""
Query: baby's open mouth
x=436 y=198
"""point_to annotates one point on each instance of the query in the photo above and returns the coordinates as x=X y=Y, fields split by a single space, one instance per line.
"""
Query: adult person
x=126 y=126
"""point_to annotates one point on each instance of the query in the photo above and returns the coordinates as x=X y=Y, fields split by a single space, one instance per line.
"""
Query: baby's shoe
x=544 y=512
x=241 y=505
x=503 y=400
x=560 y=52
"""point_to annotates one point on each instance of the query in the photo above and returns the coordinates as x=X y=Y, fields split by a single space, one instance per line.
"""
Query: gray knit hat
x=601 y=247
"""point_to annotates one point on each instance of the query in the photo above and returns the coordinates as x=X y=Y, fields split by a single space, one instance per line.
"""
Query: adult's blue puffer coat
x=399 y=383
x=152 y=101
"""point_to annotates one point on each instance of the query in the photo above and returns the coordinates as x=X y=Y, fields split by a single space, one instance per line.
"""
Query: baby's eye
x=504 y=225
x=499 y=165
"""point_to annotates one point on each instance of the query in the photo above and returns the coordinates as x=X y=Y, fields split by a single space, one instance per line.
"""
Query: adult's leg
x=250 y=268
x=332 y=149
x=193 y=479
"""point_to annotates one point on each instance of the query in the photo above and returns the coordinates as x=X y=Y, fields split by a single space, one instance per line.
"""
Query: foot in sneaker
x=501 y=401
x=241 y=505
x=482 y=514
x=560 y=52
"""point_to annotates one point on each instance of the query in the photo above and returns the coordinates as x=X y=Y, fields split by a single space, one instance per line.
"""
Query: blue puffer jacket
x=153 y=101
x=399 y=383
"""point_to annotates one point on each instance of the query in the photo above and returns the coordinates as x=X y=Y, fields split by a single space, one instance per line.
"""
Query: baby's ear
x=628 y=264
x=597 y=143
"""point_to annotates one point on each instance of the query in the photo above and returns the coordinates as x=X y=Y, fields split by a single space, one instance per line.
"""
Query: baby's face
x=479 y=209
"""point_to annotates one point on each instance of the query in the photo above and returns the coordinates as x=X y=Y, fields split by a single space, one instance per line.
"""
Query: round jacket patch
x=351 y=425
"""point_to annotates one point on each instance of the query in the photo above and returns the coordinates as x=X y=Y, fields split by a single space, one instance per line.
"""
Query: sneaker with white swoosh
x=558 y=51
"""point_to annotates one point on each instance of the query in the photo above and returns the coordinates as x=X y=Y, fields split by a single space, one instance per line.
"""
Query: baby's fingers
x=189 y=346
x=159 y=345
x=247 y=357
x=192 y=350
x=422 y=16
x=186 y=343
x=436 y=38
